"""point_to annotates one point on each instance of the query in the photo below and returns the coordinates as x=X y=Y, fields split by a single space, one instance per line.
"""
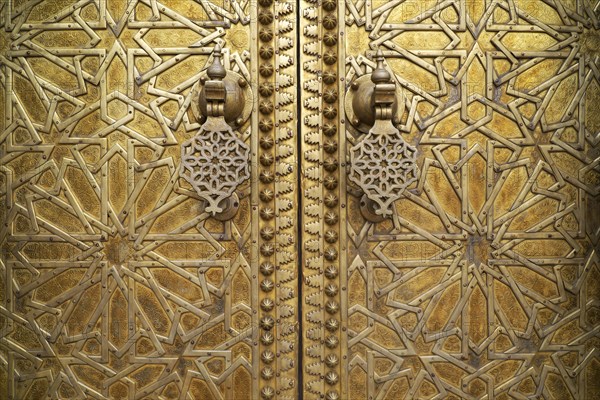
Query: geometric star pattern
x=116 y=283
x=484 y=283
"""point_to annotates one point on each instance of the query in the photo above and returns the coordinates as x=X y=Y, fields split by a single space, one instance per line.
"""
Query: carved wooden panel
x=483 y=281
x=117 y=280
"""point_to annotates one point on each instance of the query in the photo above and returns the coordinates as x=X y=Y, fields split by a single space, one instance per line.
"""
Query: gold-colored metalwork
x=215 y=161
x=119 y=278
x=382 y=164
x=483 y=283
x=478 y=280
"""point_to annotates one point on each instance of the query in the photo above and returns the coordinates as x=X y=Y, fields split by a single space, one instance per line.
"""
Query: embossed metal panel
x=480 y=280
x=436 y=238
x=139 y=255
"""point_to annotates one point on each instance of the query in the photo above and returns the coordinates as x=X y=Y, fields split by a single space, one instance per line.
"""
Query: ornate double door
x=355 y=199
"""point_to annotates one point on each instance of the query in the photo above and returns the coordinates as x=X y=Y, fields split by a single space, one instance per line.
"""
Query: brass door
x=139 y=260
x=326 y=199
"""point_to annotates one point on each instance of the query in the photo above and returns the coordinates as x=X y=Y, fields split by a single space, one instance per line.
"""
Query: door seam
x=299 y=279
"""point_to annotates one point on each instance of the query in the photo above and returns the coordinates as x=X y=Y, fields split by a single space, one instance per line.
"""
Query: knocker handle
x=216 y=161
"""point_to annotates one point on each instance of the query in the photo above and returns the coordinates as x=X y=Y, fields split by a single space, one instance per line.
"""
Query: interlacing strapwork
x=484 y=281
x=155 y=216
x=119 y=278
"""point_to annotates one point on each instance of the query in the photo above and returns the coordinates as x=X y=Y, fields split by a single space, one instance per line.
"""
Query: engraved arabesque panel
x=116 y=283
x=483 y=284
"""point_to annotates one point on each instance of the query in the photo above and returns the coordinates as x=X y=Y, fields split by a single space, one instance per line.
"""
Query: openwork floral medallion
x=215 y=163
x=383 y=165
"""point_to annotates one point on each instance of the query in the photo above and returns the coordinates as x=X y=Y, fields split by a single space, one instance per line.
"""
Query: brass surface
x=117 y=280
x=117 y=283
x=483 y=284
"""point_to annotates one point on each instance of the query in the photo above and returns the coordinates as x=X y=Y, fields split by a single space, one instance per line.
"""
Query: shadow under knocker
x=382 y=164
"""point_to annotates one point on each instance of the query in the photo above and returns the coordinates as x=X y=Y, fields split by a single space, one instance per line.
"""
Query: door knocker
x=216 y=161
x=382 y=164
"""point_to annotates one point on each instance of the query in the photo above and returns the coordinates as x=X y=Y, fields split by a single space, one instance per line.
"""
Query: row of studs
x=266 y=194
x=331 y=195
